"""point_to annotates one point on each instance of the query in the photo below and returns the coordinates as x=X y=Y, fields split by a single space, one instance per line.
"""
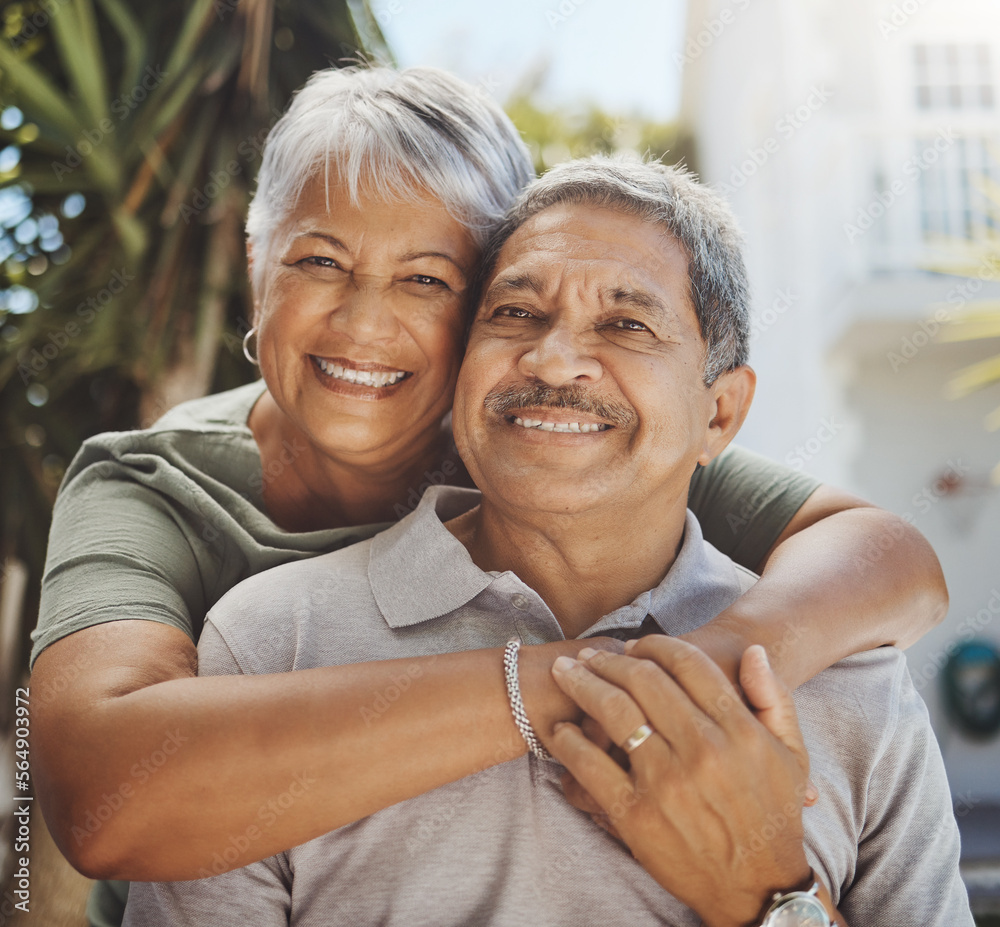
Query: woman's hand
x=711 y=804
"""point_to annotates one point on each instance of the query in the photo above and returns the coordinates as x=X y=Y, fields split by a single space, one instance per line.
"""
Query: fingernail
x=764 y=658
x=586 y=653
x=564 y=664
x=629 y=645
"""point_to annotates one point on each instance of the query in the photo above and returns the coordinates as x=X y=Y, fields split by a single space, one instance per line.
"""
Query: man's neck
x=583 y=566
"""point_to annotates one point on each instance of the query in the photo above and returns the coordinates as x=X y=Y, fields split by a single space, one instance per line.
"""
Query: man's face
x=588 y=308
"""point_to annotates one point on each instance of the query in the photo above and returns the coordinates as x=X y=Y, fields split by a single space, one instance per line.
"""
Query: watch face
x=803 y=911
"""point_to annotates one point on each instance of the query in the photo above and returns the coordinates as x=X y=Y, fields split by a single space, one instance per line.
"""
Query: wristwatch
x=797 y=909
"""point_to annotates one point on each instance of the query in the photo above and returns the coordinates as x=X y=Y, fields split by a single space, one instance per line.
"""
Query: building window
x=955 y=77
x=958 y=191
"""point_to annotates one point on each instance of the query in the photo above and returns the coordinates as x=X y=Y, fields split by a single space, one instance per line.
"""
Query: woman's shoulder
x=204 y=439
x=224 y=410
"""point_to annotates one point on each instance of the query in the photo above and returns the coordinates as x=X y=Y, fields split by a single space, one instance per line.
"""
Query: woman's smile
x=361 y=379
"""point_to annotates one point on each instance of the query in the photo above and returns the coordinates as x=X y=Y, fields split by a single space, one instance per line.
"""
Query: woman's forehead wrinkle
x=324 y=236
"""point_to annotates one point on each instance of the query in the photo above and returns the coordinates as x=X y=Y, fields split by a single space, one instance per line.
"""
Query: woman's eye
x=425 y=280
x=316 y=260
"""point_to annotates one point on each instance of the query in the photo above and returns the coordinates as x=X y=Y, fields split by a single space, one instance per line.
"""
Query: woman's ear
x=733 y=392
x=253 y=286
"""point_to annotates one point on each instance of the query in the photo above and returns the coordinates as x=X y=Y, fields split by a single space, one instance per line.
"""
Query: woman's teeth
x=562 y=427
x=362 y=377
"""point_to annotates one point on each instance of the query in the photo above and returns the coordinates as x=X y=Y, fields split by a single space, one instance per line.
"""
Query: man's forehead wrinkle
x=630 y=296
x=505 y=283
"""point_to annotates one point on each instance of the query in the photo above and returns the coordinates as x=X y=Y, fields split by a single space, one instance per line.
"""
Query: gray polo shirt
x=503 y=847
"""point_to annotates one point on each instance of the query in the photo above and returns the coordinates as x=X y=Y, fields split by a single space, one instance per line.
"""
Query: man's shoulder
x=872 y=676
x=292 y=585
x=342 y=606
x=852 y=711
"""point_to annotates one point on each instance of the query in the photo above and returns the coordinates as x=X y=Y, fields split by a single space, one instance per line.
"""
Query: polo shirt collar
x=701 y=583
x=419 y=571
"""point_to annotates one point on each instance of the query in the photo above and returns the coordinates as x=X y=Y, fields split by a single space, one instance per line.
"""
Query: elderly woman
x=375 y=195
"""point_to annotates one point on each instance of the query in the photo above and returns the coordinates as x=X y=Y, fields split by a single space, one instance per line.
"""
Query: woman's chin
x=348 y=436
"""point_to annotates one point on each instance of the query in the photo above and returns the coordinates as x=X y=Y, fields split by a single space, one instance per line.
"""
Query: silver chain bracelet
x=516 y=702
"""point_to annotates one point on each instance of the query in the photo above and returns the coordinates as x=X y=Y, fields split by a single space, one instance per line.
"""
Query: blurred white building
x=852 y=136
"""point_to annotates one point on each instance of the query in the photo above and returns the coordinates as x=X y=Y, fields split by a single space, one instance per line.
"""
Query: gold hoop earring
x=246 y=348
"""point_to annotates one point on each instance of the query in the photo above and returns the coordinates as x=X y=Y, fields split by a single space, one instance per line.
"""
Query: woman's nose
x=363 y=310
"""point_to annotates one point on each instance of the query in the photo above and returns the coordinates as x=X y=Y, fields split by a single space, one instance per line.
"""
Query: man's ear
x=733 y=392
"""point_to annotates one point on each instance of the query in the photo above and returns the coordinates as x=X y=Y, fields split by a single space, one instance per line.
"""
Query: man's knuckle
x=744 y=727
x=614 y=703
x=645 y=672
x=710 y=756
x=687 y=660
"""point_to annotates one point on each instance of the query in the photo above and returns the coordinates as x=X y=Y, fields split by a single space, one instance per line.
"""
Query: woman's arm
x=843 y=576
x=128 y=743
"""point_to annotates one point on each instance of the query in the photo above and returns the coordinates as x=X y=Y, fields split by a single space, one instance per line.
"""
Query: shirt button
x=518 y=601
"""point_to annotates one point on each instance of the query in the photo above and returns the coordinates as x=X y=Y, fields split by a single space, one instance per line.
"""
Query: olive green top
x=161 y=523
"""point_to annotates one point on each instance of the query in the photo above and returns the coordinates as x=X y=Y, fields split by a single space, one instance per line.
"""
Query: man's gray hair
x=698 y=217
x=395 y=134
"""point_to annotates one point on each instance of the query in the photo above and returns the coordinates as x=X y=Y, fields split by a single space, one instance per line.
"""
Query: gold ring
x=639 y=736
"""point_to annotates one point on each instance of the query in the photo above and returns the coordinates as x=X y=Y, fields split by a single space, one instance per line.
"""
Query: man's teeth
x=364 y=377
x=562 y=427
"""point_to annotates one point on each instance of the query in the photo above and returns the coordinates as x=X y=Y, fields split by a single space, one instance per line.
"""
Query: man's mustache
x=502 y=401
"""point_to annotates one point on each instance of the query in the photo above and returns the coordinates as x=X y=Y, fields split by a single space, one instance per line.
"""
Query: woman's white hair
x=394 y=134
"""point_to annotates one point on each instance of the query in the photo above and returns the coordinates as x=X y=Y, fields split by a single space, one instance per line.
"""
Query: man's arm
x=679 y=808
x=843 y=576
x=128 y=743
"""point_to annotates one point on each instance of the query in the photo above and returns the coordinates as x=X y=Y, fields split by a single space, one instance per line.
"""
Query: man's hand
x=711 y=804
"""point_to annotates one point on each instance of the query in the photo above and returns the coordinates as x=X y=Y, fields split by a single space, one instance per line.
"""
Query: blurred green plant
x=130 y=134
x=980 y=319
x=557 y=136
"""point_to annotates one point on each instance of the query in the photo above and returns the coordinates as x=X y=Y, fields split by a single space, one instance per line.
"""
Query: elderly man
x=606 y=361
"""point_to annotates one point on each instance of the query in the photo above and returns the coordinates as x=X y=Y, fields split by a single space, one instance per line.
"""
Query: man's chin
x=552 y=490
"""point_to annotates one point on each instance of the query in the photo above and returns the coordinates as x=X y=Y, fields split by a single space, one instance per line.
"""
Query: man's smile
x=561 y=427
x=565 y=410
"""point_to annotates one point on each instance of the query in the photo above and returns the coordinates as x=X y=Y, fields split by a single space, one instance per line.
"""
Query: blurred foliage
x=557 y=136
x=130 y=134
x=979 y=320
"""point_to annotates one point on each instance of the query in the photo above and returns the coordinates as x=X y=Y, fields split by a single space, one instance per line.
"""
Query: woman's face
x=360 y=321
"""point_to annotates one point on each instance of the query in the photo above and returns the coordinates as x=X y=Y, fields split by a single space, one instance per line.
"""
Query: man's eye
x=630 y=325
x=512 y=312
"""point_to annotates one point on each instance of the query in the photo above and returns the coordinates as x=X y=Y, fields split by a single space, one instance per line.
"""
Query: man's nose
x=363 y=309
x=559 y=357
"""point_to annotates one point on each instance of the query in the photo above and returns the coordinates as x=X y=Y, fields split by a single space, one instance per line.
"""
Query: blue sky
x=618 y=53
